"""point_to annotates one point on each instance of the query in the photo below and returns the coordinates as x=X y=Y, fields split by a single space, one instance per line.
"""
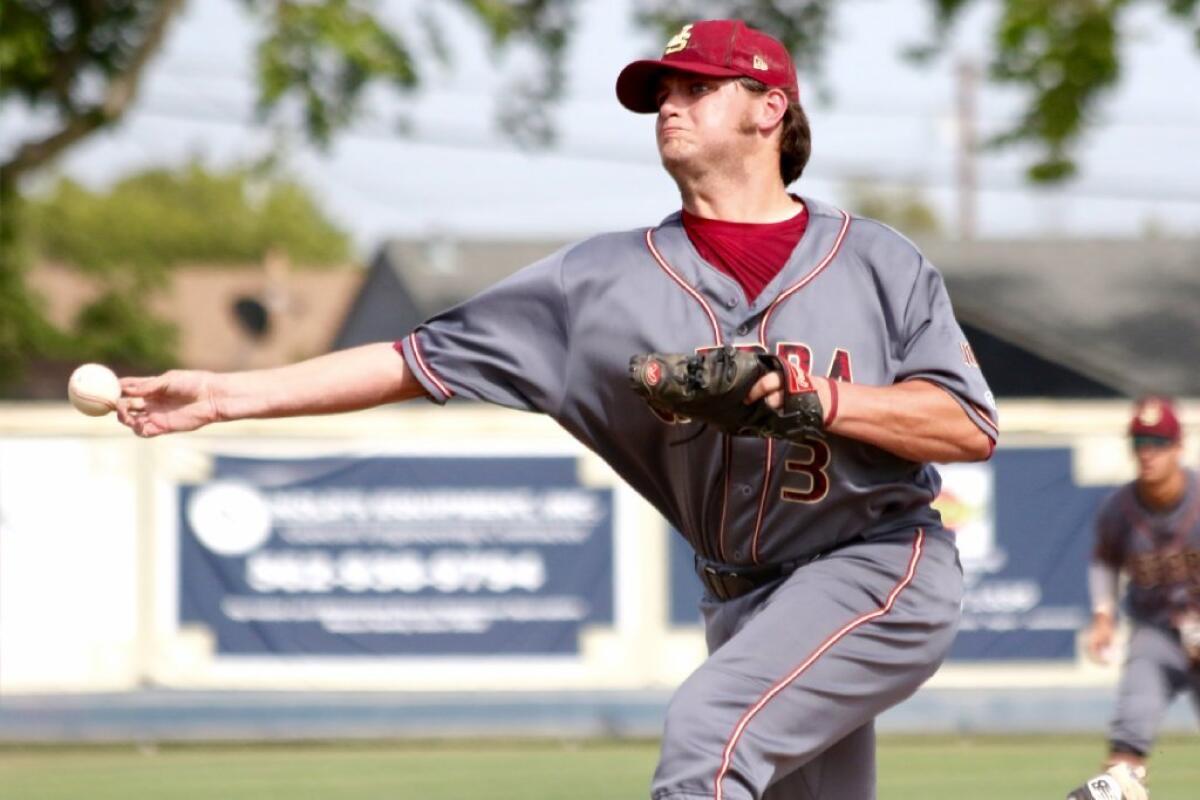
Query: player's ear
x=773 y=105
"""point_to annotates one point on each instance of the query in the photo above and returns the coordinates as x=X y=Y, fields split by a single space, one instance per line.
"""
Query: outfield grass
x=911 y=768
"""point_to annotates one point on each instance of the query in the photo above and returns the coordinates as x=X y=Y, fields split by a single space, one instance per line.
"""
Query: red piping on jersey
x=662 y=262
x=416 y=348
x=1137 y=519
x=995 y=429
x=762 y=499
x=725 y=495
x=762 y=340
x=814 y=272
x=718 y=340
x=740 y=728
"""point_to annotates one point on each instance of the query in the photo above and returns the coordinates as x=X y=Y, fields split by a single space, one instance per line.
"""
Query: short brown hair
x=795 y=140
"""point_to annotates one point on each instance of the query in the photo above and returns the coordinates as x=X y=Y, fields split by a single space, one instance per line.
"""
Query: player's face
x=702 y=122
x=1157 y=461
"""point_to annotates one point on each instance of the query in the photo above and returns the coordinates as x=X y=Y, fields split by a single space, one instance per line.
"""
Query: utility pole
x=967 y=74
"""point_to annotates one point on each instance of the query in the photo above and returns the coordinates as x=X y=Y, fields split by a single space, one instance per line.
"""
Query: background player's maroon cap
x=1154 y=417
x=723 y=48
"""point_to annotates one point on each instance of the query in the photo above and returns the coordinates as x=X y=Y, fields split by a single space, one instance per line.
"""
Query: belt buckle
x=715 y=581
x=726 y=585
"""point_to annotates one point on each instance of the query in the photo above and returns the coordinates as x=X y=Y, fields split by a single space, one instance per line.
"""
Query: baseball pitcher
x=772 y=373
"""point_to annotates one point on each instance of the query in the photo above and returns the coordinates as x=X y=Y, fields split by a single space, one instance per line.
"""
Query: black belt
x=727 y=581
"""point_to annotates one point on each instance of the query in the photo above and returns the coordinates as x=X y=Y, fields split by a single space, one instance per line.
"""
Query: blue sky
x=884 y=119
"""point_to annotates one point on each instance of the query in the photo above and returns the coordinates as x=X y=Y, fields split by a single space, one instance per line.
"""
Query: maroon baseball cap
x=721 y=48
x=1154 y=417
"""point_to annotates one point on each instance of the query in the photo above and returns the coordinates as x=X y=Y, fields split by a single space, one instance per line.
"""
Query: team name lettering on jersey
x=796 y=355
x=969 y=355
x=808 y=461
x=839 y=367
x=1157 y=568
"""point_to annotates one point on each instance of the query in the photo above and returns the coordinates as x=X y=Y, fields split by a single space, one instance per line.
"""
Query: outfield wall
x=335 y=574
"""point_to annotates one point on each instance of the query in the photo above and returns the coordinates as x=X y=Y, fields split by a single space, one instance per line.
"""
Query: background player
x=833 y=592
x=1149 y=530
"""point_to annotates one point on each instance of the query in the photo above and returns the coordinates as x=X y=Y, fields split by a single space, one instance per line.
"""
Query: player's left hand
x=712 y=387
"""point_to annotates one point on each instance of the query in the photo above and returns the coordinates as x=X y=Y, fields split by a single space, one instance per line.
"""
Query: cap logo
x=759 y=63
x=1151 y=413
x=679 y=40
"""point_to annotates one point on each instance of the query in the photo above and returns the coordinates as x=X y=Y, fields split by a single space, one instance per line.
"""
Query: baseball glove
x=1189 y=635
x=711 y=387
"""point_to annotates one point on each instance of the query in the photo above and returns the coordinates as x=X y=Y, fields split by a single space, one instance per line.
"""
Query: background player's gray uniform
x=1160 y=553
x=801 y=667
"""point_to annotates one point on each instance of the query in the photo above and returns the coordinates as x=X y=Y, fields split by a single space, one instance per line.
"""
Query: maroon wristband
x=831 y=414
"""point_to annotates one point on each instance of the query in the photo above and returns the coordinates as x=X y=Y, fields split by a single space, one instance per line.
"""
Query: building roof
x=306 y=307
x=1125 y=313
x=1061 y=317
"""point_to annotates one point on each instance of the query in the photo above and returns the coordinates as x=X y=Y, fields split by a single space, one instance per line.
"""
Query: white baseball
x=94 y=389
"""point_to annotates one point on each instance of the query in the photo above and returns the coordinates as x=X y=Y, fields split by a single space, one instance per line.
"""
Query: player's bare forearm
x=917 y=420
x=347 y=380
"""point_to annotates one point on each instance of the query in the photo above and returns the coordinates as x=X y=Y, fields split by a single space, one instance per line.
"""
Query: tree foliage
x=149 y=221
x=81 y=62
x=906 y=209
x=1062 y=55
x=128 y=237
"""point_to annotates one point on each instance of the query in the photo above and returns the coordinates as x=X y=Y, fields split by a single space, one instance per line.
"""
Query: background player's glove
x=1120 y=782
x=712 y=386
x=1189 y=635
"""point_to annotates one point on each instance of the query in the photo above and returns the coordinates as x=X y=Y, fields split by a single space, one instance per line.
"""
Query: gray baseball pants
x=1156 y=670
x=784 y=707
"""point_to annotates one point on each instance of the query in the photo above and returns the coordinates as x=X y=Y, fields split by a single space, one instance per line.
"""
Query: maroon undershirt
x=752 y=253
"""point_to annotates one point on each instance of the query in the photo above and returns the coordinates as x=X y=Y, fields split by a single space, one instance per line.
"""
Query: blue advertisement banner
x=1024 y=533
x=1026 y=587
x=395 y=556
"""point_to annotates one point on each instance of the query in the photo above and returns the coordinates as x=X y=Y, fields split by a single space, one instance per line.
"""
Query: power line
x=1119 y=189
x=1142 y=119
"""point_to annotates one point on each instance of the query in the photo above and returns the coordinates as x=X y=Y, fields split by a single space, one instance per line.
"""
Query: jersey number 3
x=811 y=457
x=808 y=459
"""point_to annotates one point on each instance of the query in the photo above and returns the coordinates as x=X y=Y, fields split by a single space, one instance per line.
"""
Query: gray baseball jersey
x=1159 y=551
x=855 y=302
x=785 y=705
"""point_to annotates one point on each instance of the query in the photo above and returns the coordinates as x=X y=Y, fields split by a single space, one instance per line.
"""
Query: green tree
x=1062 y=55
x=905 y=209
x=151 y=220
x=128 y=237
x=80 y=63
x=83 y=60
